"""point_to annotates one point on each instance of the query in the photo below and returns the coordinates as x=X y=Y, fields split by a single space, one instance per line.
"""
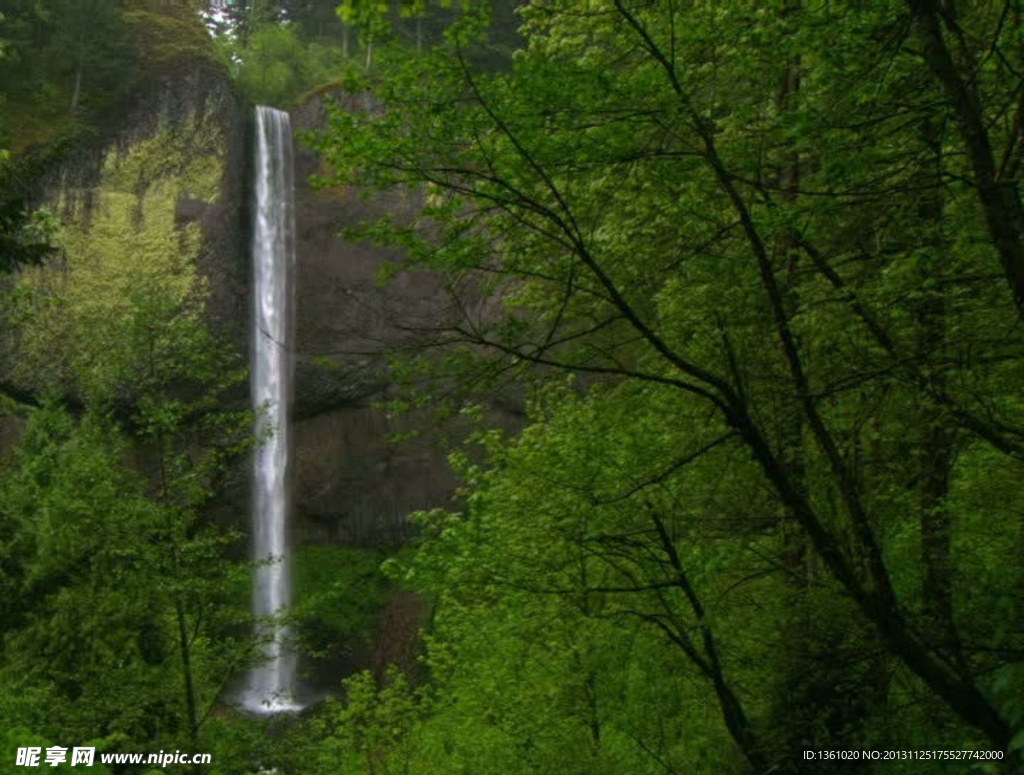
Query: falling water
x=271 y=684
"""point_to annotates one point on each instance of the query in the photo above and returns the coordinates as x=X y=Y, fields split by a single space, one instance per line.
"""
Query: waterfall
x=271 y=684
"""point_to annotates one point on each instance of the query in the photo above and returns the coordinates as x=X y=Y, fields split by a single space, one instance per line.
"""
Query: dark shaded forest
x=752 y=274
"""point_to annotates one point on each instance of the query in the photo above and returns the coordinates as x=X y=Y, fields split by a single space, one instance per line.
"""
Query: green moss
x=118 y=239
x=186 y=159
x=326 y=89
x=38 y=121
x=162 y=39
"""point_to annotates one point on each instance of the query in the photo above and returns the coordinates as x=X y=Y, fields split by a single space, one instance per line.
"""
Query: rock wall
x=352 y=485
x=154 y=206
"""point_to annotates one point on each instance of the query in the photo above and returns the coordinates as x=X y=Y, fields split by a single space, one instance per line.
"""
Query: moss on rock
x=162 y=39
x=120 y=241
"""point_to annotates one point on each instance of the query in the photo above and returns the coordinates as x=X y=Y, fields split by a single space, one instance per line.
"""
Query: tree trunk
x=76 y=91
x=186 y=669
x=708 y=662
x=1000 y=200
x=935 y=458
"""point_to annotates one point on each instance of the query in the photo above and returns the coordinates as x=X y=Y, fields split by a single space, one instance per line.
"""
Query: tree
x=55 y=59
x=90 y=34
x=641 y=228
x=65 y=52
x=25 y=237
x=243 y=17
x=113 y=572
x=999 y=198
x=575 y=523
x=370 y=18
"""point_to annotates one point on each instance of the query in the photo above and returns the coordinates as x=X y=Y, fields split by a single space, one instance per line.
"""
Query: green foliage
x=367 y=16
x=370 y=732
x=121 y=613
x=25 y=238
x=777 y=506
x=275 y=66
x=63 y=65
x=340 y=593
x=74 y=507
x=163 y=41
x=95 y=567
x=107 y=556
x=791 y=464
x=27 y=235
x=64 y=61
x=280 y=52
x=534 y=648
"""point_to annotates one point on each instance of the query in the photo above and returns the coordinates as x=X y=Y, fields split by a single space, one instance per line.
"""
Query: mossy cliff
x=116 y=238
x=150 y=209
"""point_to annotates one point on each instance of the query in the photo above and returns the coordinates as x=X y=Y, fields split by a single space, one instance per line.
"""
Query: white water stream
x=271 y=684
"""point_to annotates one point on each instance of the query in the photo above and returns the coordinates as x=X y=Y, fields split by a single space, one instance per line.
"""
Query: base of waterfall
x=260 y=705
x=271 y=685
x=259 y=693
x=264 y=698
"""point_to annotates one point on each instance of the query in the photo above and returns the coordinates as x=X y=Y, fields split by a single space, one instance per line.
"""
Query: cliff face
x=154 y=208
x=352 y=485
x=146 y=199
